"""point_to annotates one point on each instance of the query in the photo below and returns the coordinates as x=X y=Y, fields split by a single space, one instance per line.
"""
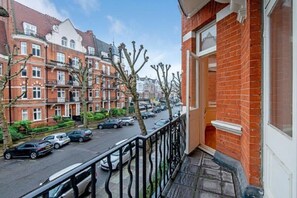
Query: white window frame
x=61 y=77
x=37 y=71
x=97 y=107
x=37 y=91
x=72 y=44
x=209 y=50
x=96 y=65
x=91 y=50
x=61 y=93
x=58 y=111
x=29 y=29
x=97 y=93
x=75 y=62
x=23 y=89
x=25 y=114
x=37 y=49
x=64 y=41
x=37 y=114
x=97 y=80
x=60 y=57
x=23 y=48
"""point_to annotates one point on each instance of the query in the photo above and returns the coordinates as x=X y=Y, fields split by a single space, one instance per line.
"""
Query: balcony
x=57 y=100
x=110 y=75
x=74 y=99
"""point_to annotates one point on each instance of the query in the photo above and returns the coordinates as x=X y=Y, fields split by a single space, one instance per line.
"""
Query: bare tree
x=4 y=80
x=176 y=79
x=129 y=80
x=166 y=86
x=81 y=75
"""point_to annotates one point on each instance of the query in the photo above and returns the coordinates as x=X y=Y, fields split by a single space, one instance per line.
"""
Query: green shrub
x=23 y=125
x=40 y=129
x=99 y=116
x=57 y=118
x=69 y=123
x=15 y=135
x=62 y=124
x=65 y=119
x=104 y=111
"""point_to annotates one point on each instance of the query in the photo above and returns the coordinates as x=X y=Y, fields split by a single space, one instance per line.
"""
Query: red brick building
x=239 y=83
x=56 y=45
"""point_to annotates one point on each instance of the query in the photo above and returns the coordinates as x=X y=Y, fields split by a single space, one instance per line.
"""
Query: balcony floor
x=199 y=176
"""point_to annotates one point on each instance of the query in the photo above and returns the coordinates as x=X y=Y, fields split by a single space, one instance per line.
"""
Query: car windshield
x=53 y=192
x=160 y=123
x=43 y=144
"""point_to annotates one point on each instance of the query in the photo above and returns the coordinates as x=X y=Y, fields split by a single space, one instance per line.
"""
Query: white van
x=65 y=189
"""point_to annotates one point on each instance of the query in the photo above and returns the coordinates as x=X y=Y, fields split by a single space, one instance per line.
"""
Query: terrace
x=157 y=167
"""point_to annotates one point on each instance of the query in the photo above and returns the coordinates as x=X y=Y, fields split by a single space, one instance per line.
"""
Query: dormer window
x=29 y=29
x=91 y=51
x=64 y=41
x=72 y=44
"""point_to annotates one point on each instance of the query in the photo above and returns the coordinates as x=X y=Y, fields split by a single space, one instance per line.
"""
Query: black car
x=32 y=149
x=80 y=135
x=110 y=123
x=151 y=114
x=144 y=115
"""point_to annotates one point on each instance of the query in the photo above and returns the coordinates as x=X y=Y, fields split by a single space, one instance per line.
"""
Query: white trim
x=21 y=36
x=93 y=57
x=189 y=35
x=223 y=13
x=235 y=129
x=187 y=101
x=207 y=149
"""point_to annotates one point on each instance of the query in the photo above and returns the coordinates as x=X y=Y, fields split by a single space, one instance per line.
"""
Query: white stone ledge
x=235 y=129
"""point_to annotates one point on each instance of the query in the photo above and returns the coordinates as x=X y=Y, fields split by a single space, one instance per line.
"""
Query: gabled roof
x=3 y=38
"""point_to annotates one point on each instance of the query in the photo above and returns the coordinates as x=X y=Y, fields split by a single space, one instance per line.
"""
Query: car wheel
x=33 y=155
x=7 y=156
x=115 y=126
x=127 y=124
x=100 y=127
x=80 y=139
x=56 y=146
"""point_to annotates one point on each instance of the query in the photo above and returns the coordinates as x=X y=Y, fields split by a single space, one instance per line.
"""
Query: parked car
x=144 y=115
x=80 y=135
x=115 y=157
x=151 y=114
x=163 y=107
x=110 y=123
x=83 y=181
x=57 y=139
x=32 y=149
x=160 y=123
x=156 y=109
x=127 y=121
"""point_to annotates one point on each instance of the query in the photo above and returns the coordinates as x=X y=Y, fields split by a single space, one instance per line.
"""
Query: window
x=24 y=72
x=58 y=110
x=103 y=69
x=90 y=64
x=1 y=69
x=72 y=44
x=97 y=80
x=61 y=78
x=75 y=62
x=36 y=92
x=108 y=70
x=104 y=95
x=37 y=114
x=90 y=108
x=23 y=48
x=64 y=41
x=61 y=93
x=90 y=93
x=97 y=107
x=36 y=72
x=24 y=114
x=36 y=50
x=29 y=29
x=96 y=65
x=91 y=50
x=61 y=57
x=96 y=93
x=207 y=39
x=23 y=90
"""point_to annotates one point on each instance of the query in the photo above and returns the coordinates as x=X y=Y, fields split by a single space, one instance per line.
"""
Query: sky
x=154 y=24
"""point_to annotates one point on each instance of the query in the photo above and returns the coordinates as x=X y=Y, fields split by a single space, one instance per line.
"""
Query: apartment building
x=56 y=46
x=148 y=88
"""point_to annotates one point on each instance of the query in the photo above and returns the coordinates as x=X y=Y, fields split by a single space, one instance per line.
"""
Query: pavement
x=201 y=177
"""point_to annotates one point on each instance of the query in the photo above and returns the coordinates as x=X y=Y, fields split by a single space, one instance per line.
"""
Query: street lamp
x=3 y=12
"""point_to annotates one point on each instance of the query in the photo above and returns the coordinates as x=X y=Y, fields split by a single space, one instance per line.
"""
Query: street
x=18 y=176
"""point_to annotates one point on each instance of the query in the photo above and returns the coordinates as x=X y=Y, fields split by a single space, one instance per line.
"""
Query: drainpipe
x=9 y=96
x=46 y=79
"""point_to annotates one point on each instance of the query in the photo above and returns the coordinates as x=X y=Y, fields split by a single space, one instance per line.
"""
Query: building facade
x=56 y=47
x=148 y=89
x=239 y=79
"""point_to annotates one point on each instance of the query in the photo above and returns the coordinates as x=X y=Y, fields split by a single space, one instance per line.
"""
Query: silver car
x=57 y=139
x=83 y=182
x=127 y=121
x=115 y=157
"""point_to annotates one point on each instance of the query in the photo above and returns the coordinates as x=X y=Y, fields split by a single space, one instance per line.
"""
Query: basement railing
x=153 y=161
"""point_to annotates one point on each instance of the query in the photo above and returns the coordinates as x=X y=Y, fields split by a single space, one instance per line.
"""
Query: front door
x=280 y=99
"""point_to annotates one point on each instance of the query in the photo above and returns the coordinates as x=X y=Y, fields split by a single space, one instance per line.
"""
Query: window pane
x=281 y=78
x=208 y=38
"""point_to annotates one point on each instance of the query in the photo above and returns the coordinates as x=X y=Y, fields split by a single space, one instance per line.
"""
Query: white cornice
x=189 y=35
x=227 y=127
x=238 y=6
x=34 y=39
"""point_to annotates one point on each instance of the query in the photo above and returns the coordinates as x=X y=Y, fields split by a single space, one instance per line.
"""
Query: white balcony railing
x=61 y=82
x=61 y=99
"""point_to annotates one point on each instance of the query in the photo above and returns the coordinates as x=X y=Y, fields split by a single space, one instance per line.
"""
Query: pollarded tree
x=176 y=79
x=7 y=76
x=129 y=79
x=166 y=85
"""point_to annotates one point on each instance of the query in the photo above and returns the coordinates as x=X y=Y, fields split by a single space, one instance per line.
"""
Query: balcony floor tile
x=200 y=177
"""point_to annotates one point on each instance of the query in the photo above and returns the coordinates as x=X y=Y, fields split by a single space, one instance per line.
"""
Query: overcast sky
x=155 y=24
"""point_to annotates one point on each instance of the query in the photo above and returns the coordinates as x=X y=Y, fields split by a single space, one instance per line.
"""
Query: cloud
x=46 y=7
x=87 y=6
x=117 y=27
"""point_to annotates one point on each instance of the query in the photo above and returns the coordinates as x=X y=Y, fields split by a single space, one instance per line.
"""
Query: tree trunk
x=169 y=107
x=85 y=108
x=127 y=106
x=138 y=115
x=7 y=140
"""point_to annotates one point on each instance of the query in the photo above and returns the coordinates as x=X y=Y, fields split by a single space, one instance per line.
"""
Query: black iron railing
x=153 y=160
